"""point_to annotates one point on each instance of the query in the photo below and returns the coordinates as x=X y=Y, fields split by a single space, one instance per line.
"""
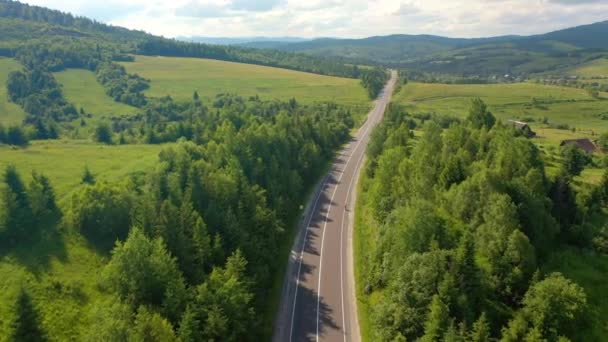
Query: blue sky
x=337 y=18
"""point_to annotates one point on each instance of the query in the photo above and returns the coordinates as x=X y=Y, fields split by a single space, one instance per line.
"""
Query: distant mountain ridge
x=242 y=40
x=466 y=56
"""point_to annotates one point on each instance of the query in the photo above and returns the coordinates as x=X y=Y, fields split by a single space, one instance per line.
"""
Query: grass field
x=63 y=161
x=10 y=113
x=596 y=68
x=560 y=105
x=80 y=87
x=180 y=77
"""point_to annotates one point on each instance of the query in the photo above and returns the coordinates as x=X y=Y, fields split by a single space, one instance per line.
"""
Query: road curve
x=318 y=296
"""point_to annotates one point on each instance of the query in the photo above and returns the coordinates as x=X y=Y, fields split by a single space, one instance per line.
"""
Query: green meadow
x=180 y=77
x=596 y=68
x=10 y=113
x=63 y=161
x=524 y=101
x=80 y=87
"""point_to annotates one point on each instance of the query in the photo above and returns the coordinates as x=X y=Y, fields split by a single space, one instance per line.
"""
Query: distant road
x=318 y=299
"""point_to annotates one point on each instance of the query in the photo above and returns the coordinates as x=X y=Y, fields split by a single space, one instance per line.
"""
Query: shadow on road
x=305 y=323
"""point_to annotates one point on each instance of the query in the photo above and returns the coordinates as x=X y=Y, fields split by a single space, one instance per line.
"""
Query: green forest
x=460 y=224
x=192 y=247
x=193 y=244
x=152 y=212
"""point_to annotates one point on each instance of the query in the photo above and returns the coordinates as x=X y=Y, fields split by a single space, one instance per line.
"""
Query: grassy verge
x=362 y=237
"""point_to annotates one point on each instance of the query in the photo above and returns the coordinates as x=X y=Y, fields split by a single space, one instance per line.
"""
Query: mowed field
x=10 y=113
x=180 y=77
x=63 y=161
x=80 y=87
x=560 y=105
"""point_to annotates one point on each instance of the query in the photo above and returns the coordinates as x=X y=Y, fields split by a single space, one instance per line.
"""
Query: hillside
x=21 y=23
x=391 y=49
x=180 y=77
x=481 y=56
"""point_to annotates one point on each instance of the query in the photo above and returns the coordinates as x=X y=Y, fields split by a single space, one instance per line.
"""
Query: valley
x=385 y=188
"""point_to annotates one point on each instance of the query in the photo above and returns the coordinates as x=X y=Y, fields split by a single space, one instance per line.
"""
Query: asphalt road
x=318 y=297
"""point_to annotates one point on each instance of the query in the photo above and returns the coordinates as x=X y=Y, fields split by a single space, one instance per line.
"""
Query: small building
x=584 y=144
x=524 y=128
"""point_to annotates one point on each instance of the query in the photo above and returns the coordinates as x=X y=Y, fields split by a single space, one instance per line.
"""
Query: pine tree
x=189 y=326
x=436 y=322
x=469 y=279
x=452 y=334
x=481 y=330
x=17 y=218
x=3 y=137
x=42 y=199
x=87 y=176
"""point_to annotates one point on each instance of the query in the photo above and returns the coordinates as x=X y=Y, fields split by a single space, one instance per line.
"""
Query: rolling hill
x=478 y=56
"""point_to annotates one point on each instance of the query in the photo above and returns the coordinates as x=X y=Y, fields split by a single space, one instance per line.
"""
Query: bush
x=103 y=134
x=102 y=214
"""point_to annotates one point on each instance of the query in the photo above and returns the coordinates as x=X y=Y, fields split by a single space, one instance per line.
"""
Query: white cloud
x=345 y=18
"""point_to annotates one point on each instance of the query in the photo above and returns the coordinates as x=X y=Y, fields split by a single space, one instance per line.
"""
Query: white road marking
x=312 y=214
x=295 y=296
x=352 y=180
x=369 y=125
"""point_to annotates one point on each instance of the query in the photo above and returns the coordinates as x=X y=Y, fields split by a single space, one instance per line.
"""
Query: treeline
x=199 y=236
x=135 y=42
x=164 y=120
x=18 y=10
x=460 y=222
x=13 y=135
x=120 y=85
x=37 y=91
x=446 y=78
x=591 y=85
x=373 y=81
x=40 y=96
x=274 y=58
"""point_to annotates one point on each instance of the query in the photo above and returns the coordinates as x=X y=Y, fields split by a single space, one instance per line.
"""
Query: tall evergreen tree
x=481 y=330
x=437 y=321
x=18 y=218
x=480 y=116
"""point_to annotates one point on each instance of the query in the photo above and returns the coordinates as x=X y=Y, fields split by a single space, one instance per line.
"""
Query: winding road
x=318 y=300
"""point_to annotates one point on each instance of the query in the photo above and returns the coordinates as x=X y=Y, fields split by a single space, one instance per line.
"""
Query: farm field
x=63 y=161
x=80 y=87
x=180 y=77
x=560 y=105
x=10 y=113
x=596 y=68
